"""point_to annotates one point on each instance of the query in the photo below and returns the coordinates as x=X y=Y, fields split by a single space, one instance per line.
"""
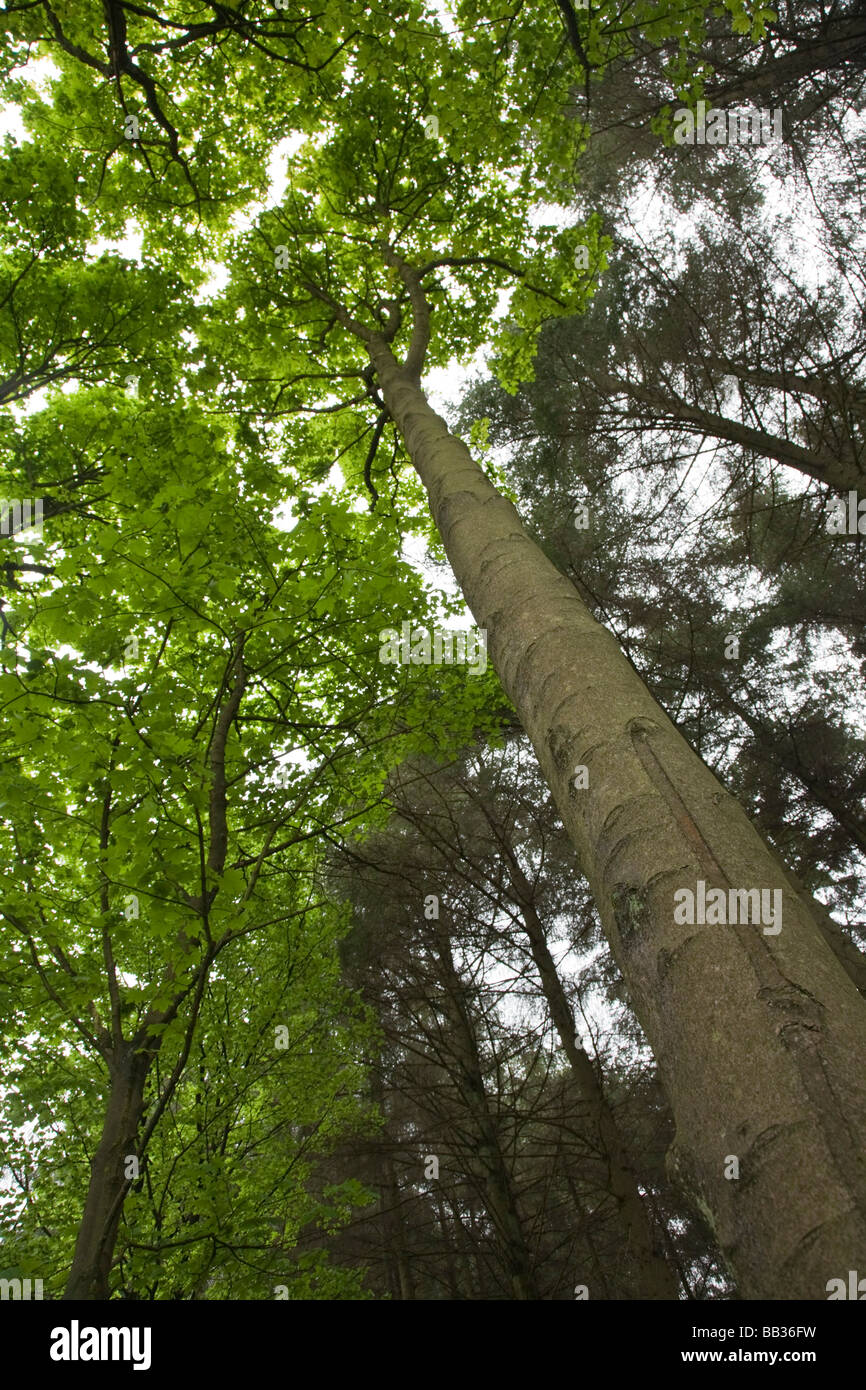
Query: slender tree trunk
x=653 y=1276
x=782 y=750
x=448 y=1235
x=840 y=43
x=759 y=1038
x=472 y=1241
x=129 y=1062
x=497 y=1187
x=394 y=1229
x=94 y=1246
x=469 y=1281
x=599 y=1278
x=838 y=473
x=391 y=1218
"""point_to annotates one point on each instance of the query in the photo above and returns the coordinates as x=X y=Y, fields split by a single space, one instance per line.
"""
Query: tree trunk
x=759 y=1038
x=600 y=1286
x=94 y=1246
x=448 y=1235
x=653 y=1276
x=497 y=1188
x=839 y=44
x=782 y=750
x=837 y=473
x=395 y=1252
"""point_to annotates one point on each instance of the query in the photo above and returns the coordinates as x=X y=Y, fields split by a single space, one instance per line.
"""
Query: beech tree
x=652 y=817
x=410 y=207
x=169 y=798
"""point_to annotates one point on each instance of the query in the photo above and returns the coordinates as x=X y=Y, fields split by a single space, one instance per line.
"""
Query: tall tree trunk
x=129 y=1062
x=94 y=1246
x=395 y=1252
x=448 y=1235
x=759 y=1039
x=653 y=1276
x=849 y=955
x=497 y=1187
x=599 y=1283
x=839 y=43
x=391 y=1218
x=782 y=749
x=838 y=473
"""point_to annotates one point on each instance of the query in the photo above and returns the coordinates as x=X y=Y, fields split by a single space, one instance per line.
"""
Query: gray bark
x=759 y=1039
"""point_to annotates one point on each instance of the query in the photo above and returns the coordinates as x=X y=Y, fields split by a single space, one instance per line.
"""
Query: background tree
x=386 y=257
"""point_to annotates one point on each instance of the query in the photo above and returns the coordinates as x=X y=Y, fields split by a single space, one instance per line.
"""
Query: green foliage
x=191 y=699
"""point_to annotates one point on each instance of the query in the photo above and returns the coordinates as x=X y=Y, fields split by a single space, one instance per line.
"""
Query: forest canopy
x=433 y=469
